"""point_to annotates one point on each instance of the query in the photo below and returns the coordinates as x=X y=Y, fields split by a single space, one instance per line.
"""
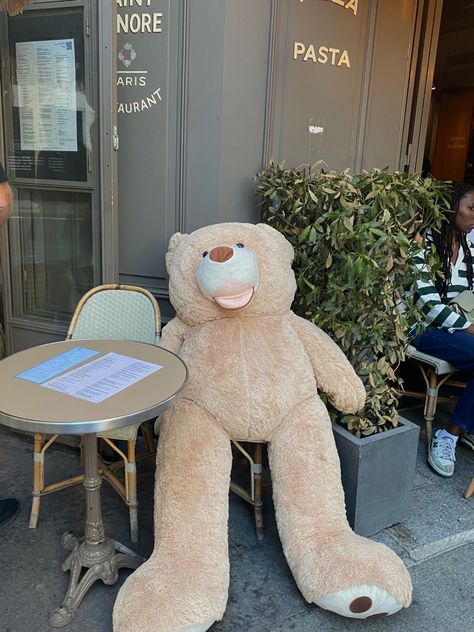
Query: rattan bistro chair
x=120 y=312
x=469 y=489
x=435 y=372
x=253 y=496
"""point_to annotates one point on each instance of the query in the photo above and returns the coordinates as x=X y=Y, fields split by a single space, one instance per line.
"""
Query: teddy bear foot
x=153 y=599
x=360 y=602
x=198 y=627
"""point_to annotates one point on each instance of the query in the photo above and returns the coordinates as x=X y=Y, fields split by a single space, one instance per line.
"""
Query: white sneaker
x=441 y=455
x=468 y=440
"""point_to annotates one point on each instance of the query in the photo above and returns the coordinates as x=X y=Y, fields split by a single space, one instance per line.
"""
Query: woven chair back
x=118 y=312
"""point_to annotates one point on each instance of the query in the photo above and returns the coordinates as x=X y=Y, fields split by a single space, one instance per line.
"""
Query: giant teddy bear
x=255 y=369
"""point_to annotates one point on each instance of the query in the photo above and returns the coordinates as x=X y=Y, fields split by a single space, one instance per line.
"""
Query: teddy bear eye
x=239 y=245
x=205 y=253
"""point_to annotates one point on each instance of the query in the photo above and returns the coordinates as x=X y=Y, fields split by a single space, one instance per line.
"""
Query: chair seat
x=127 y=433
x=441 y=367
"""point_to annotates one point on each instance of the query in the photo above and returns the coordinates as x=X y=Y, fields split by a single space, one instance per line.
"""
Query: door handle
x=115 y=139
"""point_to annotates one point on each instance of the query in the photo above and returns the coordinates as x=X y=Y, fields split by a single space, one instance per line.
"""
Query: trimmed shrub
x=355 y=238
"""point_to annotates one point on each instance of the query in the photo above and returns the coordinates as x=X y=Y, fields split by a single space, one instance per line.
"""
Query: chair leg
x=148 y=437
x=431 y=402
x=38 y=479
x=257 y=490
x=254 y=498
x=469 y=489
x=131 y=490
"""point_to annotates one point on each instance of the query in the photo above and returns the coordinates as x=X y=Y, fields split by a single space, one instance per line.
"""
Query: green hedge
x=355 y=238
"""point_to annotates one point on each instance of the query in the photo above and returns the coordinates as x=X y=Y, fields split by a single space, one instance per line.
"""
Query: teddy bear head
x=230 y=270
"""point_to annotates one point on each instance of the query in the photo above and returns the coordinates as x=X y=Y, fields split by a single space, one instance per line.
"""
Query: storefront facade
x=175 y=106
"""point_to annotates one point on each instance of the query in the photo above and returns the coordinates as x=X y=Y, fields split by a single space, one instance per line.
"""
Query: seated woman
x=447 y=335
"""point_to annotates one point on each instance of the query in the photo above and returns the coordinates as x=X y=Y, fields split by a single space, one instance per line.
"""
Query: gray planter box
x=377 y=475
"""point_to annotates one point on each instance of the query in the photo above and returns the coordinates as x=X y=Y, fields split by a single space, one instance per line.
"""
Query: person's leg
x=457 y=349
x=467 y=439
x=462 y=420
x=8 y=510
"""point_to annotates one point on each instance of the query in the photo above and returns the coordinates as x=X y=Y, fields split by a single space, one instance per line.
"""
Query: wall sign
x=322 y=53
x=137 y=90
x=352 y=5
x=143 y=22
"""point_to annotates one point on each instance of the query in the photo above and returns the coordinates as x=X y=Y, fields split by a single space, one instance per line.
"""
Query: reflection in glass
x=51 y=253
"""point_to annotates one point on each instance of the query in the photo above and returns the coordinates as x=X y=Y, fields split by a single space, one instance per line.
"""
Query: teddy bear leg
x=333 y=567
x=183 y=586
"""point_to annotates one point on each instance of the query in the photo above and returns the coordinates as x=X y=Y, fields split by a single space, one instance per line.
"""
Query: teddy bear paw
x=360 y=602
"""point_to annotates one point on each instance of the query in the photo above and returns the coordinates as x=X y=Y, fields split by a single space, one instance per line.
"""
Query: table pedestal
x=101 y=556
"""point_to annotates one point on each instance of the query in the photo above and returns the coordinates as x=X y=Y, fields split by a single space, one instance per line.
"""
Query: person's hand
x=470 y=329
x=5 y=202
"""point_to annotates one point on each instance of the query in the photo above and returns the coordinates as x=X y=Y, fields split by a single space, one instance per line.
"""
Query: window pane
x=52 y=117
x=51 y=253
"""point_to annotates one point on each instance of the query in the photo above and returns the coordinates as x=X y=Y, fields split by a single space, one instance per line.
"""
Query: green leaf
x=304 y=234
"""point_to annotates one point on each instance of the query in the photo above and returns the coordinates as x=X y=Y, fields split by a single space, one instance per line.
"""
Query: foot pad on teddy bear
x=360 y=602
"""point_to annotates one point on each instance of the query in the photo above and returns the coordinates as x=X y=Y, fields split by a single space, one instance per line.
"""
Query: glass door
x=56 y=58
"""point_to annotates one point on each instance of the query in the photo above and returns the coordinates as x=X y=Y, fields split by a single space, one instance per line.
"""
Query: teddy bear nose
x=221 y=254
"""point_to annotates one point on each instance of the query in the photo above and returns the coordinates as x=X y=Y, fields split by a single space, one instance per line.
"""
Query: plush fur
x=254 y=374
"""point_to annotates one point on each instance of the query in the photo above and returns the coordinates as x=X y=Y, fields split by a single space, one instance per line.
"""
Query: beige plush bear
x=255 y=369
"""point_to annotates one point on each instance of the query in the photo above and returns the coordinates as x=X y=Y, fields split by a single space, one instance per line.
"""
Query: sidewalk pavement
x=436 y=543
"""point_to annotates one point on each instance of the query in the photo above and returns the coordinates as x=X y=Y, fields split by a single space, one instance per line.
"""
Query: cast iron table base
x=101 y=556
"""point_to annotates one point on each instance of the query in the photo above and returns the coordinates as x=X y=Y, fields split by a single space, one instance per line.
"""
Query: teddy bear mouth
x=235 y=301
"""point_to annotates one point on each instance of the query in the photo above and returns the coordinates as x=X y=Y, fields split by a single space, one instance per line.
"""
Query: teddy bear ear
x=278 y=237
x=175 y=240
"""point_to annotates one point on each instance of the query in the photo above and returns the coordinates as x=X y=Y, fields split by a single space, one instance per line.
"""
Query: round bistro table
x=29 y=406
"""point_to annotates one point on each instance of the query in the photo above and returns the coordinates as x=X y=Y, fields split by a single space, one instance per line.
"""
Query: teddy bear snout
x=220 y=254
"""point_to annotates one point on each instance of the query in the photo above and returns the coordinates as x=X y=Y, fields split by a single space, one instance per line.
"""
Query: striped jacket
x=437 y=313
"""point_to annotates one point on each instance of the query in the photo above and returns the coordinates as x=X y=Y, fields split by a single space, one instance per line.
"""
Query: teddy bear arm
x=333 y=372
x=172 y=335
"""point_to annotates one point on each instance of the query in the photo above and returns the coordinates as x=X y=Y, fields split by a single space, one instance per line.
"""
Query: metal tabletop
x=28 y=406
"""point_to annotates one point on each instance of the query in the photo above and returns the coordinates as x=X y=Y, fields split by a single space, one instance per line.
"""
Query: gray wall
x=188 y=160
x=209 y=91
x=234 y=96
x=362 y=107
x=226 y=105
x=391 y=56
x=148 y=138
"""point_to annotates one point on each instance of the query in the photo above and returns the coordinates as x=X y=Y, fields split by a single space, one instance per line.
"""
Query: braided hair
x=443 y=240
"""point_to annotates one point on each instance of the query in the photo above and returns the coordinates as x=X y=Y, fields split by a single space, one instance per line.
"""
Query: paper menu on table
x=101 y=378
x=58 y=364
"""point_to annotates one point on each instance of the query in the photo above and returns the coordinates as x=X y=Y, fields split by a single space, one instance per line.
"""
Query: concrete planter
x=377 y=475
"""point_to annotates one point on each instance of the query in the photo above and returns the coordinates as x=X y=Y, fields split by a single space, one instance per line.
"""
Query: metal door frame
x=425 y=47
x=100 y=62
